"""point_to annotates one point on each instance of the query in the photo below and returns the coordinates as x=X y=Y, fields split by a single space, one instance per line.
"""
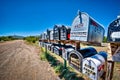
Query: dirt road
x=19 y=61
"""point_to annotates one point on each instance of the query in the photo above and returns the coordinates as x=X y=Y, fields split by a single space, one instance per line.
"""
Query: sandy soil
x=19 y=61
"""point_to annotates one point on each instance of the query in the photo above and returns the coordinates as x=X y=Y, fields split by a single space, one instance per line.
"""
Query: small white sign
x=115 y=35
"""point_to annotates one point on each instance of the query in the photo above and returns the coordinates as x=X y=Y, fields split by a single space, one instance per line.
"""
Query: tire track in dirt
x=19 y=61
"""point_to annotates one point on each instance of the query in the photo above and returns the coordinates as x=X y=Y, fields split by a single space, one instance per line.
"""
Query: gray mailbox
x=94 y=66
x=76 y=57
x=85 y=28
x=44 y=36
x=114 y=31
x=56 y=32
x=65 y=32
x=49 y=34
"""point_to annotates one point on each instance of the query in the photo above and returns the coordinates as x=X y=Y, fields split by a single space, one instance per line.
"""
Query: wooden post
x=77 y=45
x=110 y=64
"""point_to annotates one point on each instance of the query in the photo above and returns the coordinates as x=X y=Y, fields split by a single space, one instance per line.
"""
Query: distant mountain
x=18 y=37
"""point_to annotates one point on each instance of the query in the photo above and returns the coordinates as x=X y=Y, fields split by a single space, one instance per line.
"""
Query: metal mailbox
x=65 y=33
x=66 y=51
x=49 y=34
x=48 y=46
x=114 y=31
x=94 y=66
x=76 y=57
x=44 y=36
x=56 y=32
x=85 y=28
x=40 y=43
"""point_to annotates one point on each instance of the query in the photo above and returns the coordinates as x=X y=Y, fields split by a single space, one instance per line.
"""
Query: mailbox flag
x=68 y=36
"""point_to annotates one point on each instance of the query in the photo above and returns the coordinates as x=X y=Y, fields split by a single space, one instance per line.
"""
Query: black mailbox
x=56 y=32
x=114 y=31
x=76 y=57
x=65 y=33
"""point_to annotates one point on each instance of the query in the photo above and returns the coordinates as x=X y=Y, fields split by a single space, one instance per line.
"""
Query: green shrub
x=59 y=68
x=31 y=39
x=63 y=72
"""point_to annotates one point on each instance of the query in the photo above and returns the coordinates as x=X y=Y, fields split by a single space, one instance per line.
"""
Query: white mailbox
x=85 y=28
x=94 y=66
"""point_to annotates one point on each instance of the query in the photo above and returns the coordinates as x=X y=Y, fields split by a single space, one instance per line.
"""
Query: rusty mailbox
x=94 y=67
x=76 y=57
x=65 y=33
x=85 y=28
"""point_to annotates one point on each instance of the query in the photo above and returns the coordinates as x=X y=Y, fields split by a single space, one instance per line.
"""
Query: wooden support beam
x=110 y=64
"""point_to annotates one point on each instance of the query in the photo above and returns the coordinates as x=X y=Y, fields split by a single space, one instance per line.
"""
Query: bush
x=32 y=39
x=7 y=38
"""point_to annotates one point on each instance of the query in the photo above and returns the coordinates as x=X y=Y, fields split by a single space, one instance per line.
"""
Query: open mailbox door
x=76 y=57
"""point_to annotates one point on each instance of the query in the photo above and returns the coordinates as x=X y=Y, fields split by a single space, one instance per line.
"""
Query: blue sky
x=32 y=17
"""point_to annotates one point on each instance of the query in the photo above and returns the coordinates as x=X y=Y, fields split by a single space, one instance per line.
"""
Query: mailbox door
x=75 y=60
x=89 y=68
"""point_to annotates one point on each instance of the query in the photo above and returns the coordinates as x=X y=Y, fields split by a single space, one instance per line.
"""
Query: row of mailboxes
x=89 y=62
x=84 y=28
x=59 y=32
x=86 y=60
x=114 y=31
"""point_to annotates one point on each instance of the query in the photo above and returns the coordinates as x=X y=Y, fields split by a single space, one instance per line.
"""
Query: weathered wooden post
x=113 y=52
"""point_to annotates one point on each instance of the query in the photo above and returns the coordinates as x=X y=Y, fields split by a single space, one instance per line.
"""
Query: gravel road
x=19 y=61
